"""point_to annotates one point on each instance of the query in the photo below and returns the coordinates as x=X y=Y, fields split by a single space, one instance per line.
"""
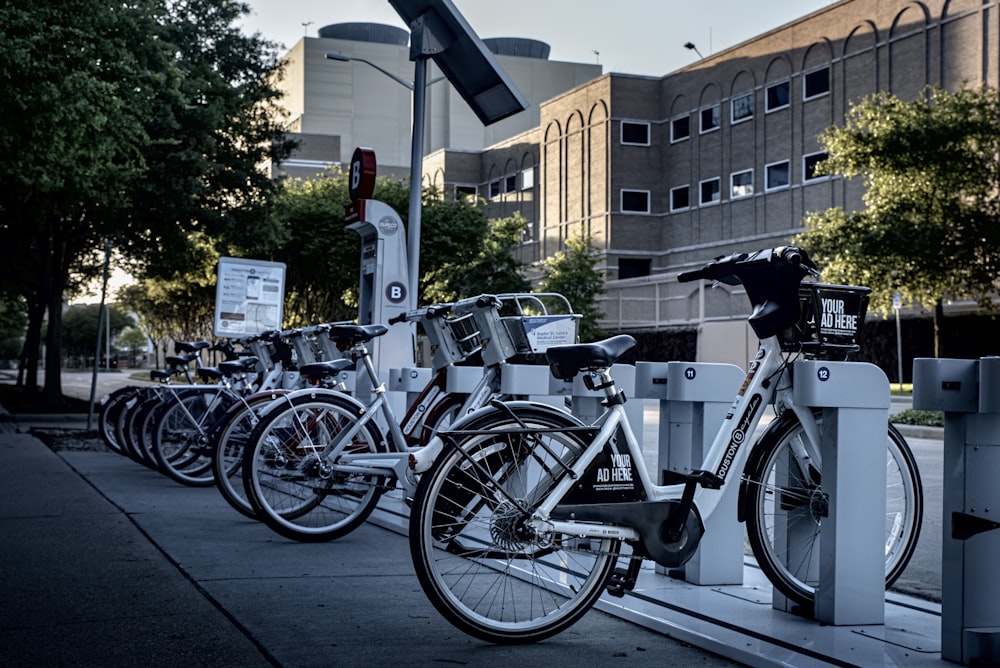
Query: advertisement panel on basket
x=549 y=330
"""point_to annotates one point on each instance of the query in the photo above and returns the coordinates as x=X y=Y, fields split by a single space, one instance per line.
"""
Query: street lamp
x=418 y=88
x=691 y=47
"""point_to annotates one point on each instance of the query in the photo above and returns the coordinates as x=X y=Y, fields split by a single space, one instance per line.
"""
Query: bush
x=921 y=418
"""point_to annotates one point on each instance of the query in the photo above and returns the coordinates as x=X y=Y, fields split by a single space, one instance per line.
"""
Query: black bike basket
x=830 y=320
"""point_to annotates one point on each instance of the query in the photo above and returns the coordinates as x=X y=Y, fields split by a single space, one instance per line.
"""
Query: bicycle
x=317 y=462
x=519 y=521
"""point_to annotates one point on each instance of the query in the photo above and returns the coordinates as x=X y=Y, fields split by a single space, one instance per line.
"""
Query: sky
x=630 y=36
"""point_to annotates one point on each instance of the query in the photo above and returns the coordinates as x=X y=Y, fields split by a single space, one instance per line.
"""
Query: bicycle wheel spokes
x=786 y=506
x=479 y=558
x=294 y=473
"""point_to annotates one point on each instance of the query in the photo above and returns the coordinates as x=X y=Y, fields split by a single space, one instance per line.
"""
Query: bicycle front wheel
x=785 y=498
x=484 y=568
x=295 y=473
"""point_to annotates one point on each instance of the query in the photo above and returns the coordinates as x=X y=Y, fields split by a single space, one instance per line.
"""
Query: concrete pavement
x=106 y=563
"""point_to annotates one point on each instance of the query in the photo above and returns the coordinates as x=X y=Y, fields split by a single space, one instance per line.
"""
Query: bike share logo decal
x=739 y=435
x=395 y=292
x=388 y=225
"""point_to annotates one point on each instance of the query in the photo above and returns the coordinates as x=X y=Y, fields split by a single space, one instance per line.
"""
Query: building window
x=635 y=133
x=741 y=108
x=816 y=83
x=776 y=175
x=710 y=119
x=741 y=184
x=680 y=128
x=709 y=192
x=510 y=183
x=528 y=178
x=466 y=193
x=680 y=198
x=635 y=201
x=633 y=267
x=777 y=96
x=809 y=163
x=494 y=189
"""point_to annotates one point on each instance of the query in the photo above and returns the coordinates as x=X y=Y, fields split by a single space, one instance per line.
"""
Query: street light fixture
x=344 y=58
x=691 y=47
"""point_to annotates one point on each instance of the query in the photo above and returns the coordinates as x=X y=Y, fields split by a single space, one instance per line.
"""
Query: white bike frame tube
x=726 y=458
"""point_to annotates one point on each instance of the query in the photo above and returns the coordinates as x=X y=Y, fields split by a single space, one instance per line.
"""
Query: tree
x=572 y=272
x=80 y=329
x=494 y=269
x=931 y=229
x=460 y=249
x=134 y=122
x=133 y=341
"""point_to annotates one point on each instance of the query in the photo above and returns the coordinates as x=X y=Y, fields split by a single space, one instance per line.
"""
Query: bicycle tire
x=111 y=408
x=442 y=414
x=137 y=431
x=290 y=474
x=481 y=568
x=183 y=433
x=229 y=450
x=768 y=502
x=130 y=413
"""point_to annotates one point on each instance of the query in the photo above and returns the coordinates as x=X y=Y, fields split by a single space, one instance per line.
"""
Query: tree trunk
x=938 y=324
x=53 y=334
x=32 y=347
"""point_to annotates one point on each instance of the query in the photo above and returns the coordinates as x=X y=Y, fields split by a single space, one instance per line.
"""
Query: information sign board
x=249 y=297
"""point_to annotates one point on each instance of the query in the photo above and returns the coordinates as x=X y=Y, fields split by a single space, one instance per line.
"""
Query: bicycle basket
x=465 y=334
x=830 y=320
x=536 y=333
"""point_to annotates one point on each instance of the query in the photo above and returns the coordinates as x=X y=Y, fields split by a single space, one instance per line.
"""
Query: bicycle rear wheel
x=481 y=565
x=293 y=469
x=779 y=493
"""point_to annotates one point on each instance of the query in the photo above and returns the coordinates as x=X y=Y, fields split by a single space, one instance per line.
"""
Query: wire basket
x=830 y=320
x=464 y=332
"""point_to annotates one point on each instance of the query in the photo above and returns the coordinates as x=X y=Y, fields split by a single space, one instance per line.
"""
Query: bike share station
x=719 y=600
x=968 y=391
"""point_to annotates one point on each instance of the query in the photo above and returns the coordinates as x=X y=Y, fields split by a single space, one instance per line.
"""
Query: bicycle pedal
x=623 y=579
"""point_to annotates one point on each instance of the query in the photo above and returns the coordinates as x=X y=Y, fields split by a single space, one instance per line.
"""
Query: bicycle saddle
x=316 y=371
x=350 y=335
x=566 y=361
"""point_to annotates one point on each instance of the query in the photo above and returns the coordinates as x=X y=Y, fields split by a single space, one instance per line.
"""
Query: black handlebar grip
x=397 y=318
x=688 y=276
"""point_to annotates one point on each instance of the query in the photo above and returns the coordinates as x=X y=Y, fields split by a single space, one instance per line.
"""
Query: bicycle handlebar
x=732 y=269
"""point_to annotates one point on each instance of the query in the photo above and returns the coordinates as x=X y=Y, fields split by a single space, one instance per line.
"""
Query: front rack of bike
x=830 y=321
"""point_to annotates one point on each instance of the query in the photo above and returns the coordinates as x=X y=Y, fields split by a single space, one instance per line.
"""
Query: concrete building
x=335 y=107
x=667 y=172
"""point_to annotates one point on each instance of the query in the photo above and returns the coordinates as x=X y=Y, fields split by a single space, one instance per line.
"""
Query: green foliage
x=180 y=306
x=13 y=320
x=80 y=327
x=931 y=229
x=133 y=341
x=572 y=272
x=493 y=269
x=140 y=123
x=461 y=253
x=920 y=418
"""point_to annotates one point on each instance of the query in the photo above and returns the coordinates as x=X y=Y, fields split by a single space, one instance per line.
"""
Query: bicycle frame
x=726 y=457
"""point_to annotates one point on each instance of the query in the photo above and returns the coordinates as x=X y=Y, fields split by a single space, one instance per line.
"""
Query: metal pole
x=416 y=177
x=100 y=327
x=899 y=352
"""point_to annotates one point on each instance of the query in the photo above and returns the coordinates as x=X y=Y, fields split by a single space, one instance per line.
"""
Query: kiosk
x=384 y=287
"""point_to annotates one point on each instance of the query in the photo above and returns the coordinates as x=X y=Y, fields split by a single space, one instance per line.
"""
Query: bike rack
x=693 y=400
x=855 y=399
x=968 y=391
